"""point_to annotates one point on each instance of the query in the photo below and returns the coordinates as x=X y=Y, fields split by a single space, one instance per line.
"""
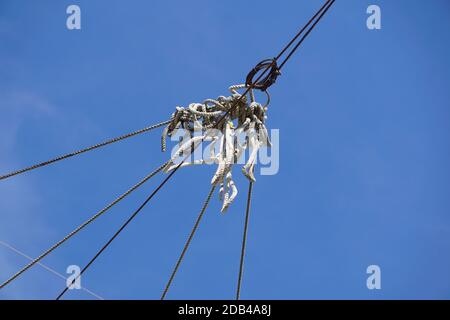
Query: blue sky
x=364 y=131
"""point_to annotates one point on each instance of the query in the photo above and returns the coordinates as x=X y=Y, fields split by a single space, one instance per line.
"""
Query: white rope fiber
x=206 y=122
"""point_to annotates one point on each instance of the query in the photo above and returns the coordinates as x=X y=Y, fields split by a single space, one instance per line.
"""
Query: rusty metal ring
x=267 y=80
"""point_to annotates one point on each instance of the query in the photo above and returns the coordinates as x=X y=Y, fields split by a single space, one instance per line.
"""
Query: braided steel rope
x=75 y=153
x=244 y=241
x=82 y=226
x=188 y=242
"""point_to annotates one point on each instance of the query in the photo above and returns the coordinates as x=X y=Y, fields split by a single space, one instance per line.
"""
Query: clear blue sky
x=364 y=122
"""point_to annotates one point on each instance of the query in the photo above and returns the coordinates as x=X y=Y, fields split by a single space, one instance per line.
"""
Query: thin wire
x=323 y=11
x=82 y=226
x=69 y=155
x=56 y=273
x=273 y=65
x=301 y=30
x=244 y=241
x=122 y=227
x=188 y=242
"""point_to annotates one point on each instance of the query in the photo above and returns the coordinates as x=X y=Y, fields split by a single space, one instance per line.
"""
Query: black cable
x=244 y=241
x=188 y=242
x=122 y=227
x=72 y=154
x=322 y=12
x=84 y=225
x=271 y=64
x=302 y=30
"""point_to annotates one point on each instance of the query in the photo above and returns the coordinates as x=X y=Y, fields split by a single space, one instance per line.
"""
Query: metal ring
x=267 y=80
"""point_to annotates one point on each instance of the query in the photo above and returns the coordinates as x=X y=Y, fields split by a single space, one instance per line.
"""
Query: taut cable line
x=271 y=64
x=83 y=225
x=322 y=11
x=127 y=222
x=75 y=153
x=188 y=242
x=120 y=230
x=244 y=241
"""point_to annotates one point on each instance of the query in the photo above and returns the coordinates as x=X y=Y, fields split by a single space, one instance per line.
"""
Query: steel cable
x=244 y=241
x=75 y=153
x=82 y=226
x=188 y=242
